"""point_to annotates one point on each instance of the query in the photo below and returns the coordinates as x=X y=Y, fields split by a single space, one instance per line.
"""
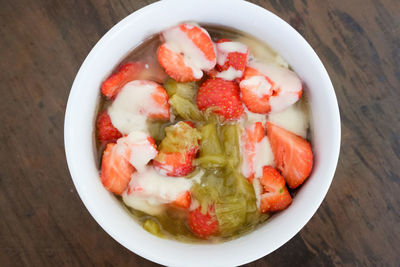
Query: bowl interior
x=115 y=45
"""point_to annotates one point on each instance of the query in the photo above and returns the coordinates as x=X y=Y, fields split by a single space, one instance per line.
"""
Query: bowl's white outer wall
x=80 y=117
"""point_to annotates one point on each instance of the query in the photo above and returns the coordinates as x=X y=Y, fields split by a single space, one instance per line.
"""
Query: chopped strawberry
x=231 y=54
x=174 y=64
x=293 y=155
x=153 y=103
x=177 y=150
x=201 y=39
x=222 y=96
x=275 y=195
x=139 y=149
x=185 y=61
x=106 y=132
x=256 y=91
x=250 y=139
x=269 y=88
x=126 y=73
x=174 y=163
x=184 y=200
x=203 y=225
x=160 y=98
x=116 y=171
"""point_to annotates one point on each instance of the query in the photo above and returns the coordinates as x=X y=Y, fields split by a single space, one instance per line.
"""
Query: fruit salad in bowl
x=200 y=136
x=193 y=133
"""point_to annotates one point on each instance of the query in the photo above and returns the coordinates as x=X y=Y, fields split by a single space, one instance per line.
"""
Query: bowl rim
x=68 y=138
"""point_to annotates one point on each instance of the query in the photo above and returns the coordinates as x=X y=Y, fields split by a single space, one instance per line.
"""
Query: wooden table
x=43 y=221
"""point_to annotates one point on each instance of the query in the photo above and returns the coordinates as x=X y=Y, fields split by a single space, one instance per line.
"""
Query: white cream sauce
x=148 y=205
x=294 y=119
x=148 y=191
x=141 y=150
x=230 y=74
x=129 y=110
x=261 y=86
x=251 y=118
x=263 y=156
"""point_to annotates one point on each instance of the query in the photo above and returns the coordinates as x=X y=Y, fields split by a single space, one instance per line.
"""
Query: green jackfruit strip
x=210 y=144
x=185 y=90
x=185 y=108
x=152 y=227
x=179 y=137
x=211 y=161
x=230 y=137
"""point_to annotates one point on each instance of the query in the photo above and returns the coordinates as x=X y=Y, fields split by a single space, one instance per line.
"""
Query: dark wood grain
x=44 y=223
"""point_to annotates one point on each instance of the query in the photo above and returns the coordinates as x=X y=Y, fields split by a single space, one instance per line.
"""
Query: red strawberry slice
x=222 y=96
x=203 y=225
x=275 y=195
x=235 y=59
x=126 y=73
x=106 y=132
x=160 y=98
x=251 y=136
x=185 y=61
x=116 y=171
x=201 y=40
x=293 y=155
x=174 y=163
x=256 y=92
x=154 y=103
x=184 y=200
x=269 y=88
x=138 y=149
x=174 y=64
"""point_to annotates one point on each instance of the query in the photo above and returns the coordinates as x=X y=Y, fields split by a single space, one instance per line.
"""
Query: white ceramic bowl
x=81 y=112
